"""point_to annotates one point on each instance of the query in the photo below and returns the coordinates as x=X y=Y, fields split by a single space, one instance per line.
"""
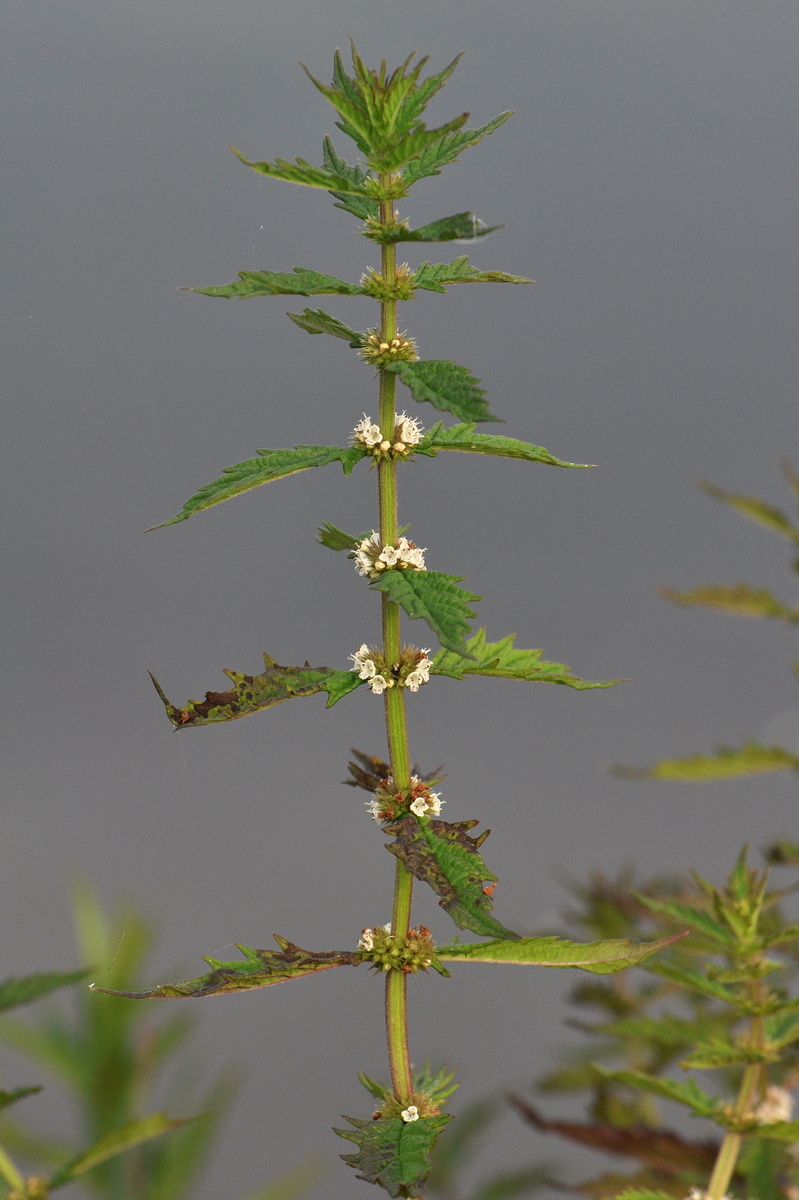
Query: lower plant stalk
x=10 y=1173
x=731 y=1145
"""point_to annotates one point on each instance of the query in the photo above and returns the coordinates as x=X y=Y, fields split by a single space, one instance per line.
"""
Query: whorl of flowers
x=388 y=802
x=411 y=671
x=777 y=1106
x=407 y=434
x=377 y=351
x=393 y=952
x=372 y=557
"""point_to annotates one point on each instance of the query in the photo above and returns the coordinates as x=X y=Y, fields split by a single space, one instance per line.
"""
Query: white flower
x=366 y=553
x=411 y=1113
x=372 y=557
x=363 y=663
x=420 y=674
x=367 y=432
x=410 y=555
x=366 y=941
x=431 y=803
x=419 y=806
x=378 y=684
x=374 y=808
x=777 y=1106
x=407 y=432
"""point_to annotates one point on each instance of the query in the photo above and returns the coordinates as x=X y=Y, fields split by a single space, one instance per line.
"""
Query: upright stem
x=396 y=725
x=731 y=1145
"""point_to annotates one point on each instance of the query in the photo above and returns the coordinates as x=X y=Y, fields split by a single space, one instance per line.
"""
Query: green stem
x=10 y=1173
x=731 y=1145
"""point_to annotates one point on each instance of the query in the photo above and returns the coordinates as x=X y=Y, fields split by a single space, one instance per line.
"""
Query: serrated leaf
x=727 y=763
x=445 y=385
x=433 y=597
x=693 y=981
x=393 y=1153
x=447 y=149
x=463 y=438
x=742 y=599
x=305 y=173
x=505 y=661
x=31 y=987
x=755 y=510
x=19 y=1093
x=435 y=277
x=251 y=693
x=335 y=538
x=687 y=915
x=364 y=207
x=116 y=1142
x=688 y=1093
x=261 y=968
x=412 y=145
x=713 y=1053
x=445 y=229
x=267 y=467
x=316 y=320
x=299 y=282
x=600 y=958
x=444 y=855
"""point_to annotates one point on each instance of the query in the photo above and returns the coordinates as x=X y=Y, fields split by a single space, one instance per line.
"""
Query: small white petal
x=419 y=806
x=411 y=1113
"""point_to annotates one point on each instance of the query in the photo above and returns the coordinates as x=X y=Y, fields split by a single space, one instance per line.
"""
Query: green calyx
x=386 y=951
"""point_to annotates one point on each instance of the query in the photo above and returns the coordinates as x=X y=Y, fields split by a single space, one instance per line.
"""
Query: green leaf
x=463 y=438
x=504 y=661
x=782 y=1029
x=302 y=282
x=393 y=1153
x=434 y=277
x=315 y=320
x=252 y=693
x=447 y=149
x=688 y=1093
x=755 y=510
x=445 y=229
x=443 y=855
x=435 y=598
x=782 y=853
x=118 y=1141
x=19 y=1093
x=446 y=386
x=305 y=173
x=693 y=981
x=727 y=763
x=22 y=991
x=270 y=465
x=686 y=914
x=740 y=598
x=600 y=958
x=643 y=1194
x=781 y=1131
x=335 y=538
x=713 y=1053
x=364 y=207
x=261 y=968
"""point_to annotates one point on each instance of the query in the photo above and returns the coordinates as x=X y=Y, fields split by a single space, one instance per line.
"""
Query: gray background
x=648 y=183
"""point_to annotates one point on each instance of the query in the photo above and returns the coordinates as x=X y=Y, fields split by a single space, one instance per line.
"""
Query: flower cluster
x=392 y=952
x=376 y=285
x=367 y=939
x=407 y=433
x=378 y=352
x=372 y=557
x=388 y=802
x=412 y=670
x=777 y=1106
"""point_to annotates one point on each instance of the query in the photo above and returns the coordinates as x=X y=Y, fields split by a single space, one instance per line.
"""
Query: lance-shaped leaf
x=251 y=693
x=435 y=598
x=393 y=1153
x=781 y=1131
x=742 y=599
x=693 y=981
x=688 y=1093
x=445 y=229
x=434 y=277
x=300 y=282
x=503 y=660
x=19 y=1093
x=261 y=968
x=445 y=385
x=444 y=855
x=727 y=763
x=689 y=917
x=116 y=1142
x=464 y=439
x=447 y=149
x=362 y=206
x=756 y=510
x=22 y=991
x=305 y=173
x=268 y=466
x=715 y=1053
x=600 y=958
x=316 y=320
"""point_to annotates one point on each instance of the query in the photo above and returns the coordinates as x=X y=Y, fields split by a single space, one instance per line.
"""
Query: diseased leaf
x=253 y=472
x=360 y=206
x=740 y=598
x=434 y=277
x=116 y=1142
x=447 y=149
x=445 y=229
x=30 y=987
x=251 y=693
x=600 y=958
x=446 y=386
x=688 y=1093
x=463 y=438
x=756 y=510
x=315 y=320
x=305 y=173
x=505 y=661
x=19 y=1093
x=435 y=598
x=393 y=1153
x=444 y=855
x=261 y=968
x=301 y=282
x=727 y=763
